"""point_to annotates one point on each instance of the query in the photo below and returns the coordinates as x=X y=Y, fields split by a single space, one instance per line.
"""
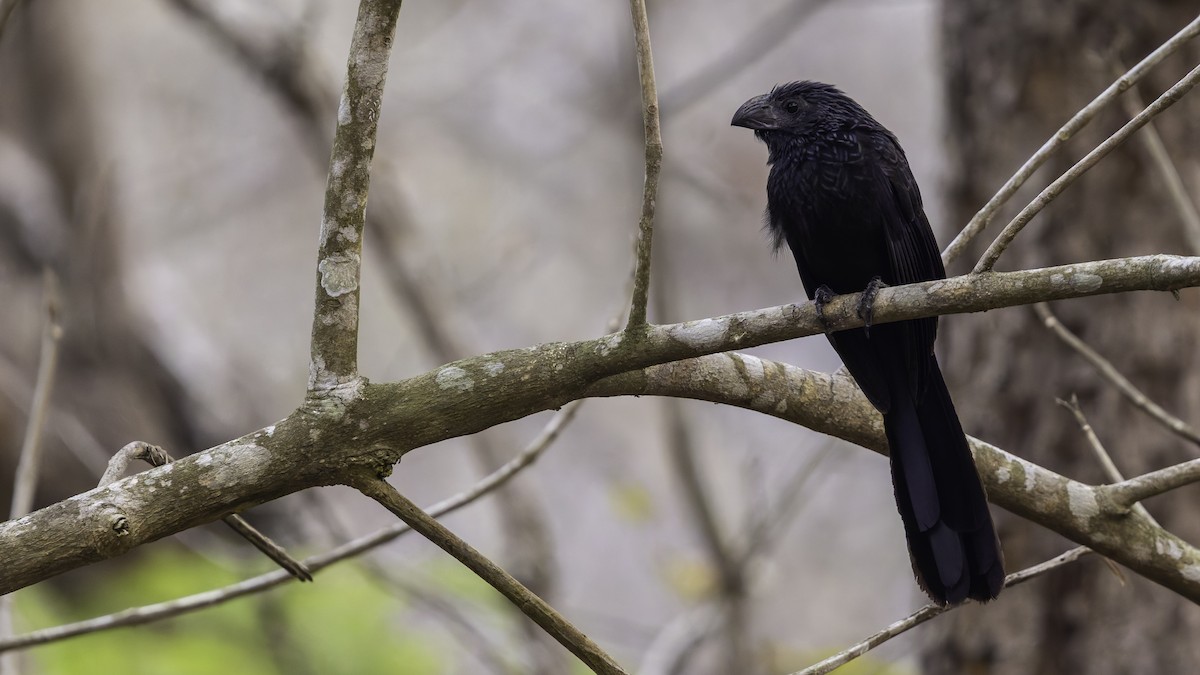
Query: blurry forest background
x=168 y=160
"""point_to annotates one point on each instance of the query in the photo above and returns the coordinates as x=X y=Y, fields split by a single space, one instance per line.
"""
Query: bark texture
x=1014 y=73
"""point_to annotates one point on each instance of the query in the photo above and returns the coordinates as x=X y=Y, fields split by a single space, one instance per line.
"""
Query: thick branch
x=137 y=616
x=374 y=424
x=335 y=317
x=834 y=405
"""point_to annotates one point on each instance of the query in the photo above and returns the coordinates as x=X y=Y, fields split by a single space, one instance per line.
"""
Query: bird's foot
x=821 y=297
x=866 y=305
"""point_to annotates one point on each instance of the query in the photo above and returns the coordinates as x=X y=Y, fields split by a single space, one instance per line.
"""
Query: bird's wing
x=912 y=250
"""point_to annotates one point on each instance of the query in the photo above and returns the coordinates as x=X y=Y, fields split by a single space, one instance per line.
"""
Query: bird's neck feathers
x=782 y=146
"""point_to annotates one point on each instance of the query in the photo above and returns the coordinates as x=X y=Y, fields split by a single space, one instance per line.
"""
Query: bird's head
x=797 y=109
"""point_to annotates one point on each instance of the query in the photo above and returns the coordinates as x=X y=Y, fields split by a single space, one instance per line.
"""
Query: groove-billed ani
x=841 y=195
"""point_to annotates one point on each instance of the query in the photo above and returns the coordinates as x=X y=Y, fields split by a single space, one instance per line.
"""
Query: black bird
x=842 y=196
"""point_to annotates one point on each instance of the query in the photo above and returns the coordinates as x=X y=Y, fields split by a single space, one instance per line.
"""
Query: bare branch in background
x=1006 y=236
x=676 y=643
x=981 y=219
x=1133 y=104
x=339 y=261
x=731 y=585
x=1106 y=461
x=471 y=637
x=1109 y=372
x=731 y=581
x=679 y=639
x=930 y=611
x=25 y=481
x=766 y=528
x=654 y=152
x=283 y=61
x=6 y=10
x=771 y=32
x=534 y=607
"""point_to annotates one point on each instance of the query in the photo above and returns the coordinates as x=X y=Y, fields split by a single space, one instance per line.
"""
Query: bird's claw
x=822 y=297
x=866 y=305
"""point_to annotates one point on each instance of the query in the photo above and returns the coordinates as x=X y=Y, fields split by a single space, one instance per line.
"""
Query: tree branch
x=1170 y=174
x=654 y=152
x=981 y=219
x=335 y=317
x=150 y=613
x=1085 y=514
x=1106 y=460
x=1109 y=372
x=1010 y=231
x=6 y=9
x=534 y=607
x=25 y=481
x=930 y=611
x=372 y=425
x=1134 y=490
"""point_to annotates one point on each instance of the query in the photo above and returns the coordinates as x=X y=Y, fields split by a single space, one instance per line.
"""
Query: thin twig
x=1134 y=490
x=29 y=464
x=471 y=637
x=681 y=451
x=671 y=648
x=1106 y=461
x=534 y=607
x=654 y=153
x=1110 y=373
x=156 y=456
x=929 y=611
x=731 y=585
x=334 y=346
x=1162 y=159
x=137 y=616
x=792 y=498
x=679 y=639
x=6 y=10
x=25 y=483
x=286 y=67
x=1079 y=120
x=1006 y=236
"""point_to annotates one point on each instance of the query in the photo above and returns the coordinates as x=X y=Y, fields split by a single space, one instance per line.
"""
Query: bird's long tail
x=951 y=540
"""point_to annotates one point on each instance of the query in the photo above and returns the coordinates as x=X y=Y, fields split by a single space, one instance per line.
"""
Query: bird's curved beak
x=757 y=114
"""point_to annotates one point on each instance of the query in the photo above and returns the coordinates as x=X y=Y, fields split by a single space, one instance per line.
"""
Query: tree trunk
x=1015 y=72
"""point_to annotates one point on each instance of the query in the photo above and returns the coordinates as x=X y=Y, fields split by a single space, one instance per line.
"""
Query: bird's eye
x=792 y=107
